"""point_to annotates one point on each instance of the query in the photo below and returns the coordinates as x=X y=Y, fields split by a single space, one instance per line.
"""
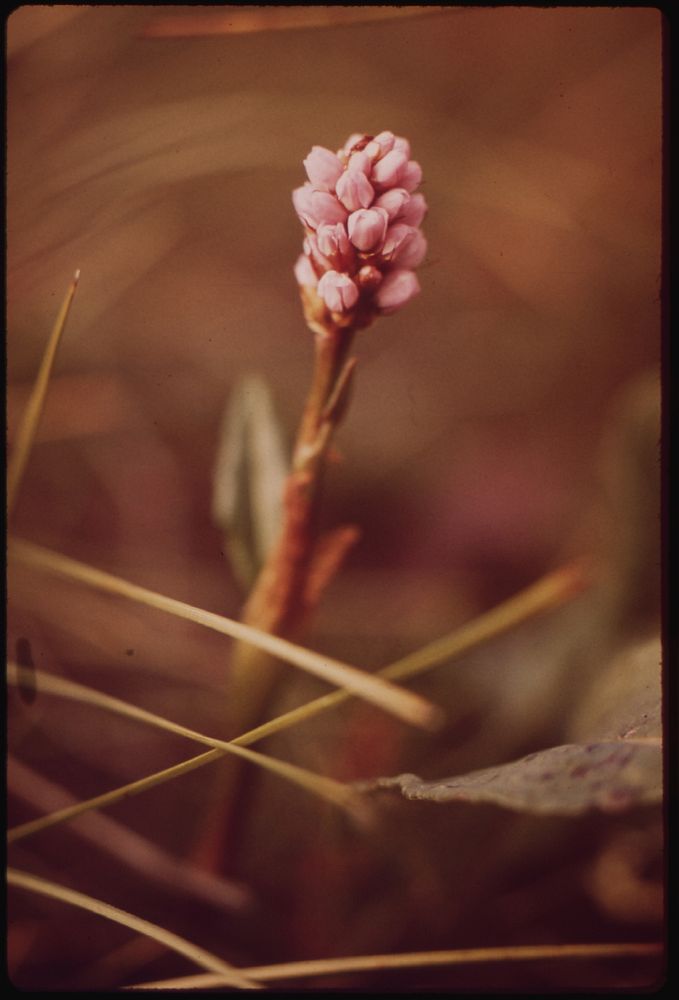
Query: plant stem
x=279 y=600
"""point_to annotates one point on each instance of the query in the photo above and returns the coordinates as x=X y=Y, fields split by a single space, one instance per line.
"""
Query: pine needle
x=326 y=788
x=415 y=960
x=199 y=956
x=405 y=705
x=34 y=407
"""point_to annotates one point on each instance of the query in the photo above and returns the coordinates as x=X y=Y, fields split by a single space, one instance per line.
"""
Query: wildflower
x=362 y=214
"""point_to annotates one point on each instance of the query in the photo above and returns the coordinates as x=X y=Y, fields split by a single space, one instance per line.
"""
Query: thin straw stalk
x=34 y=407
x=199 y=956
x=415 y=960
x=549 y=592
x=328 y=789
x=403 y=704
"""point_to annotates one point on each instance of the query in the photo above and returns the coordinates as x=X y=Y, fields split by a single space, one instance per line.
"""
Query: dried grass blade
x=548 y=593
x=199 y=956
x=131 y=849
x=403 y=704
x=31 y=417
x=414 y=960
x=326 y=788
x=551 y=591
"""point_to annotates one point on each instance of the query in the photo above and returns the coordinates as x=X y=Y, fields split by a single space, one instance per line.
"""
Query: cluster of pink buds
x=361 y=216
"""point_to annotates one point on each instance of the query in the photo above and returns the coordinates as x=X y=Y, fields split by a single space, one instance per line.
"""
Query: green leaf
x=563 y=781
x=249 y=476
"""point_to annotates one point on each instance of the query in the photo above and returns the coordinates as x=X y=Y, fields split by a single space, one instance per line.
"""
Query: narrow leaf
x=249 y=476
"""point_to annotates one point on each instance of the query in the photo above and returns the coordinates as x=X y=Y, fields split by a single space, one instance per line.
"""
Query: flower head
x=361 y=215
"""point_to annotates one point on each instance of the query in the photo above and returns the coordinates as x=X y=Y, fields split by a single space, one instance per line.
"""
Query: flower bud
x=386 y=141
x=338 y=291
x=403 y=145
x=411 y=175
x=412 y=250
x=367 y=227
x=323 y=168
x=393 y=202
x=397 y=288
x=396 y=236
x=326 y=208
x=354 y=190
x=333 y=243
x=304 y=272
x=369 y=277
x=360 y=161
x=353 y=139
x=414 y=210
x=301 y=199
x=387 y=171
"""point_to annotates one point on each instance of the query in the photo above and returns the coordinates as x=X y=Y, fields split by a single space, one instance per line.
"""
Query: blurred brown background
x=162 y=168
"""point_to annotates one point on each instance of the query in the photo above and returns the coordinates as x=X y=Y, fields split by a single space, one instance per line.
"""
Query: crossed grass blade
x=548 y=593
x=325 y=788
x=403 y=704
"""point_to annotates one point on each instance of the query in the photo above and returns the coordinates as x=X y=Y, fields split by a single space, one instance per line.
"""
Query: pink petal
x=387 y=171
x=412 y=251
x=301 y=199
x=367 y=227
x=411 y=175
x=398 y=287
x=323 y=168
x=403 y=145
x=396 y=237
x=414 y=210
x=393 y=201
x=338 y=291
x=354 y=190
x=304 y=272
x=326 y=208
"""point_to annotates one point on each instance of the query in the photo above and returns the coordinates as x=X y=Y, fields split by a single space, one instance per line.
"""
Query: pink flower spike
x=367 y=227
x=412 y=251
x=338 y=291
x=304 y=272
x=398 y=287
x=323 y=168
x=393 y=202
x=411 y=176
x=387 y=171
x=414 y=210
x=326 y=208
x=354 y=190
